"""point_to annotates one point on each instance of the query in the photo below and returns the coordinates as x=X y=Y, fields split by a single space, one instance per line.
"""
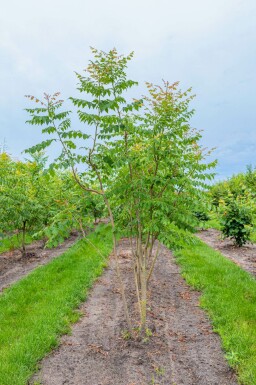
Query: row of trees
x=48 y=205
x=241 y=184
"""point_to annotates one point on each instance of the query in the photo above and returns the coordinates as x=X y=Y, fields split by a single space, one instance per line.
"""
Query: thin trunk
x=142 y=260
x=137 y=290
x=81 y=228
x=153 y=263
x=143 y=299
x=24 y=238
x=126 y=311
x=135 y=269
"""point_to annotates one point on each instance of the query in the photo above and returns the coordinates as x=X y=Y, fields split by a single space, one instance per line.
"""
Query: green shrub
x=237 y=219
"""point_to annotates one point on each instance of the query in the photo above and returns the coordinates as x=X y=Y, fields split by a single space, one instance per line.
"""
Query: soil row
x=13 y=266
x=245 y=256
x=183 y=349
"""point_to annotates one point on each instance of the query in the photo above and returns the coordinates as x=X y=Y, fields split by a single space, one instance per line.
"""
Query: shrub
x=237 y=219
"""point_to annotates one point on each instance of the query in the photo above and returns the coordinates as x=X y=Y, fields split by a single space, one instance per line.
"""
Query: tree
x=143 y=158
x=70 y=208
x=237 y=218
x=21 y=204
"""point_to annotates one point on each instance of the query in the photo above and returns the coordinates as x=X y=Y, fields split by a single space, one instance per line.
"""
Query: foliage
x=237 y=219
x=47 y=204
x=74 y=209
x=143 y=158
x=235 y=206
x=55 y=290
x=202 y=217
x=238 y=185
x=12 y=242
x=175 y=238
x=21 y=200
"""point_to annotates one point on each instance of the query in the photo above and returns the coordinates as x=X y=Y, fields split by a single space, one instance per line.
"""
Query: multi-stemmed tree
x=143 y=159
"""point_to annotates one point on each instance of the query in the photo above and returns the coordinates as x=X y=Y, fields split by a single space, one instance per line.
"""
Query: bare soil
x=13 y=266
x=183 y=349
x=244 y=256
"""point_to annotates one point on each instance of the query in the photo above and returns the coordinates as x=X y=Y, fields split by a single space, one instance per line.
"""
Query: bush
x=237 y=219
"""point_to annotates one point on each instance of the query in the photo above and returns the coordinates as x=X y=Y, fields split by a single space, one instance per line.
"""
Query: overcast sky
x=207 y=44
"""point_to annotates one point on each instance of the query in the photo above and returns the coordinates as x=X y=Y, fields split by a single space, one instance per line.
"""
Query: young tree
x=21 y=201
x=143 y=158
x=161 y=177
x=237 y=218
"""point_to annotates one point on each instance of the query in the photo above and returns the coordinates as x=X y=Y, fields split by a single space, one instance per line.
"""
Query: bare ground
x=182 y=351
x=13 y=266
x=244 y=256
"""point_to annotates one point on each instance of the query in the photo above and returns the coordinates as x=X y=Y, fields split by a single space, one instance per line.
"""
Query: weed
x=232 y=358
x=126 y=334
x=159 y=370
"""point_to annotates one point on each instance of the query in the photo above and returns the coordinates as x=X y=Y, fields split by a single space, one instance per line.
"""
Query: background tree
x=21 y=200
x=237 y=218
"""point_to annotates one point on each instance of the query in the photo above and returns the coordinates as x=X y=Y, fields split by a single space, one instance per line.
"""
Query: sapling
x=140 y=156
x=237 y=219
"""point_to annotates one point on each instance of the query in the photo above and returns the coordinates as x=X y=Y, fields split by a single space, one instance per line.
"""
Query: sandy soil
x=182 y=351
x=244 y=256
x=13 y=267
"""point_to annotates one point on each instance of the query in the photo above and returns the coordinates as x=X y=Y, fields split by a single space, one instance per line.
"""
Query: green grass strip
x=13 y=242
x=229 y=296
x=38 y=309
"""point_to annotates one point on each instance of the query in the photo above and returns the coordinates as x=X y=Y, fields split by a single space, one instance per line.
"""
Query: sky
x=207 y=44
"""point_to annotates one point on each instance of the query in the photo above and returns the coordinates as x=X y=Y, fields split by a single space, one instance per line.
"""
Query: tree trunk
x=143 y=299
x=23 y=240
x=126 y=311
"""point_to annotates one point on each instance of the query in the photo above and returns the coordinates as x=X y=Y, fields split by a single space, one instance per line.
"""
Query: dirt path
x=182 y=351
x=245 y=256
x=13 y=267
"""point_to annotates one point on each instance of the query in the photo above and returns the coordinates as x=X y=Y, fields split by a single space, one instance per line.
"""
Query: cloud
x=207 y=44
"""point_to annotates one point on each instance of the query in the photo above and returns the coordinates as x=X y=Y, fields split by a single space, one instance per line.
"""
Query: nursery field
x=182 y=343
x=40 y=307
x=104 y=279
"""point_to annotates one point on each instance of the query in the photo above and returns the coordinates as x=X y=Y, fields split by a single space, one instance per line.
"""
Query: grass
x=229 y=296
x=13 y=242
x=38 y=309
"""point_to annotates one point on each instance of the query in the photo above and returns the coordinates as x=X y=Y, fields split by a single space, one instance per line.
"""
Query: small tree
x=143 y=158
x=21 y=204
x=237 y=219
